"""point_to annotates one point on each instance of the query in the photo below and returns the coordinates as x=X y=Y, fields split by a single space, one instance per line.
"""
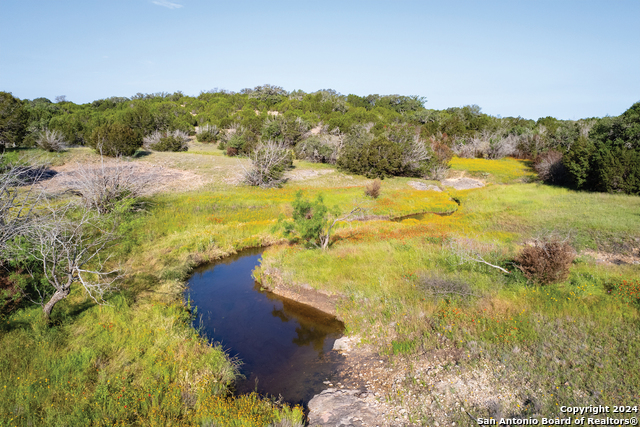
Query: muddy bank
x=271 y=279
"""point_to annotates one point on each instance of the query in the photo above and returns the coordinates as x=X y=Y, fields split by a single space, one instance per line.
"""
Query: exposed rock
x=423 y=187
x=345 y=343
x=343 y=408
x=462 y=183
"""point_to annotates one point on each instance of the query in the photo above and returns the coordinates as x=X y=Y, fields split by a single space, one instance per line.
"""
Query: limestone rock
x=462 y=183
x=345 y=343
x=423 y=187
x=342 y=408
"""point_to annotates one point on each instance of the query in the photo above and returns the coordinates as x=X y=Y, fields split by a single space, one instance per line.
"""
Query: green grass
x=571 y=342
x=140 y=351
x=500 y=171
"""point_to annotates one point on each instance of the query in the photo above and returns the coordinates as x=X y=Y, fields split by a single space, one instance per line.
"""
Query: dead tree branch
x=71 y=248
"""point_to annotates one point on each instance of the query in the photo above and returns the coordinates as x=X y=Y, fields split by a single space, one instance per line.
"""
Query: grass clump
x=373 y=188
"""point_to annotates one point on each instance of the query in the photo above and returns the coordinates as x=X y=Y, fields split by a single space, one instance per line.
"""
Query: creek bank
x=271 y=280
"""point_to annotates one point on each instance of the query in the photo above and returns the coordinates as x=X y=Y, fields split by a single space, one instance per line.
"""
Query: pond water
x=285 y=347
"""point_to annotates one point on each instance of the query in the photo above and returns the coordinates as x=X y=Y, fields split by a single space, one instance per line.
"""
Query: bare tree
x=70 y=248
x=18 y=199
x=51 y=140
x=417 y=154
x=103 y=187
x=268 y=163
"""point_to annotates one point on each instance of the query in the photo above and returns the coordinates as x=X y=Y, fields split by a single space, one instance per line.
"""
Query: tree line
x=374 y=135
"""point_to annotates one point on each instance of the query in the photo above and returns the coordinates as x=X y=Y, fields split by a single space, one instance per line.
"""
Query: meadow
x=138 y=361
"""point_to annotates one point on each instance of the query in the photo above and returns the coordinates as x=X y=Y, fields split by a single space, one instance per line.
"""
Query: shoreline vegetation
x=462 y=333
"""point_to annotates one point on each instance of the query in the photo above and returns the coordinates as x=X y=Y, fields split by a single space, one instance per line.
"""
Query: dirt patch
x=424 y=388
x=423 y=187
x=301 y=175
x=607 y=258
x=160 y=178
x=463 y=183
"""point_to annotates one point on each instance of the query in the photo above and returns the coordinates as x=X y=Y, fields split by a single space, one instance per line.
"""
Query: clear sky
x=567 y=59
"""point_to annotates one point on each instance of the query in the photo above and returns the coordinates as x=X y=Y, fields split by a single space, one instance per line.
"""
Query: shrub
x=290 y=129
x=550 y=168
x=115 y=140
x=239 y=138
x=416 y=156
x=319 y=149
x=268 y=164
x=51 y=140
x=313 y=221
x=373 y=188
x=546 y=260
x=208 y=133
x=13 y=120
x=104 y=186
x=167 y=141
x=377 y=158
x=610 y=159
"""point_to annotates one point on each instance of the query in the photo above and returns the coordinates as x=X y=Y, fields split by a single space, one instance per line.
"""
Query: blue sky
x=567 y=59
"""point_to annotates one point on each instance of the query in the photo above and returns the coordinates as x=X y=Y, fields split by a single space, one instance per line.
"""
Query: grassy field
x=138 y=361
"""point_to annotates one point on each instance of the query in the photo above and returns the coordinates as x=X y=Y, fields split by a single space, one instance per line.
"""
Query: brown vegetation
x=373 y=188
x=546 y=261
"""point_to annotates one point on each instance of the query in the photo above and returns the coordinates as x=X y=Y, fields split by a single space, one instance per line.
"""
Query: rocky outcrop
x=423 y=187
x=343 y=408
x=462 y=183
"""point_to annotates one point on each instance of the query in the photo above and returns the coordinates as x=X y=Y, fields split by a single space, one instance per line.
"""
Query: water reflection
x=284 y=346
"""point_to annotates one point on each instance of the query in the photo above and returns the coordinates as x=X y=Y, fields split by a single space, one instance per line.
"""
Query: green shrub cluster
x=167 y=141
x=597 y=154
x=115 y=139
x=208 y=133
x=609 y=160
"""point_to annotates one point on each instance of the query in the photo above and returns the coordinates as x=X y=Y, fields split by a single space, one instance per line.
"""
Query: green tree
x=13 y=120
x=313 y=221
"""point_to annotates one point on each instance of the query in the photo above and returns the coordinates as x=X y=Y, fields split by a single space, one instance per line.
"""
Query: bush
x=208 y=133
x=167 y=141
x=290 y=129
x=373 y=188
x=610 y=159
x=550 y=168
x=269 y=162
x=115 y=140
x=318 y=149
x=240 y=139
x=51 y=140
x=103 y=187
x=546 y=260
x=377 y=158
x=13 y=120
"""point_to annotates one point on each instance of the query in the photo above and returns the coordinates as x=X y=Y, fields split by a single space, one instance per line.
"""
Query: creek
x=284 y=346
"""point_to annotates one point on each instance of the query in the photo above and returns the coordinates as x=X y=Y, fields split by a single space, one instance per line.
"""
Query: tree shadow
x=30 y=175
x=141 y=153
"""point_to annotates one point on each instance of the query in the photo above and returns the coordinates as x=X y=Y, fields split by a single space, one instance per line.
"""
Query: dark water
x=284 y=345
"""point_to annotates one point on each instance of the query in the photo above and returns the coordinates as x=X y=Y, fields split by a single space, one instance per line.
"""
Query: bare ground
x=162 y=178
